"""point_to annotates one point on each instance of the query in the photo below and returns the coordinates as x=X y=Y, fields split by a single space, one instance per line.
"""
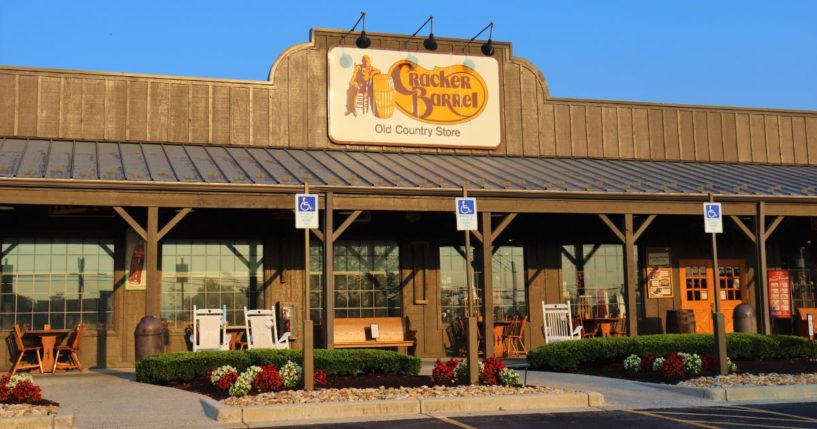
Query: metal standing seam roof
x=169 y=163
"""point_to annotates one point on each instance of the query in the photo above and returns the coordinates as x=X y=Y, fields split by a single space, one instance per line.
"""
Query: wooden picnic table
x=235 y=332
x=48 y=339
x=605 y=324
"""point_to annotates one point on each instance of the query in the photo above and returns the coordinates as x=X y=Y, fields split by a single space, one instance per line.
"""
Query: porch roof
x=188 y=164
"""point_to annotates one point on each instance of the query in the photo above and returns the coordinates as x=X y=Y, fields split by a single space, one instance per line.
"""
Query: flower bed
x=19 y=397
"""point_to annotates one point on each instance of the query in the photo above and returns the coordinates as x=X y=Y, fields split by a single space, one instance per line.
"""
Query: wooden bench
x=354 y=333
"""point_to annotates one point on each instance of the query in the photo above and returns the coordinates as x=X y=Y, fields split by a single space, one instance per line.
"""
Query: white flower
x=692 y=363
x=18 y=378
x=632 y=364
x=461 y=371
x=291 y=373
x=243 y=384
x=509 y=377
x=219 y=372
x=659 y=362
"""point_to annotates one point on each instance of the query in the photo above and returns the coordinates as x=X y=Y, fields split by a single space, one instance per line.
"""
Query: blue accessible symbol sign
x=306 y=211
x=713 y=221
x=466 y=210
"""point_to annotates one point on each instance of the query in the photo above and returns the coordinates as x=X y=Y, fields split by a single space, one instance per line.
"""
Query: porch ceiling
x=121 y=162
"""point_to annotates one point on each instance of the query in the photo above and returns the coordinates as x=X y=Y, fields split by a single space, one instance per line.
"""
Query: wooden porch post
x=763 y=291
x=329 y=274
x=153 y=286
x=487 y=285
x=630 y=271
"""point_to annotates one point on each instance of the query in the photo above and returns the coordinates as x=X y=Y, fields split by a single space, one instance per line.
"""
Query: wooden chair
x=619 y=329
x=516 y=343
x=558 y=323
x=71 y=350
x=262 y=330
x=210 y=329
x=22 y=349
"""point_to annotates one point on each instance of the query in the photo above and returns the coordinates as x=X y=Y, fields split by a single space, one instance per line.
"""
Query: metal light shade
x=488 y=48
x=430 y=43
x=362 y=41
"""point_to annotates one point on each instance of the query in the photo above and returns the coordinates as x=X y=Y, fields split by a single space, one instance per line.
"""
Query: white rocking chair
x=210 y=329
x=559 y=323
x=262 y=330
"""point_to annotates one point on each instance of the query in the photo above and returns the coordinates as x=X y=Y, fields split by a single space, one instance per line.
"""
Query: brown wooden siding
x=290 y=111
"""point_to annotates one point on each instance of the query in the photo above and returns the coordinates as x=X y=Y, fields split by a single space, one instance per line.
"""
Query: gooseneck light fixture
x=487 y=47
x=362 y=41
x=429 y=43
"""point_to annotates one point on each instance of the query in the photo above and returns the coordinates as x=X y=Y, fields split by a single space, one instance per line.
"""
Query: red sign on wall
x=779 y=294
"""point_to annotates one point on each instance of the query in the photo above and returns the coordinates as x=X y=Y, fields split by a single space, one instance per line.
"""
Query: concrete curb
x=58 y=421
x=745 y=393
x=252 y=415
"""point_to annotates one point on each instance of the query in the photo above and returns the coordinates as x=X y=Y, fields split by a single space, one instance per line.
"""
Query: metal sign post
x=306 y=217
x=466 y=211
x=713 y=224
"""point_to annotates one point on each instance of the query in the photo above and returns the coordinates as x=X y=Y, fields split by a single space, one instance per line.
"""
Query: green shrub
x=568 y=355
x=186 y=366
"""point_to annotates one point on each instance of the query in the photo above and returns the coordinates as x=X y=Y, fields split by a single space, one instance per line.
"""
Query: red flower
x=673 y=366
x=708 y=363
x=25 y=392
x=490 y=371
x=226 y=381
x=647 y=362
x=444 y=371
x=268 y=380
x=320 y=378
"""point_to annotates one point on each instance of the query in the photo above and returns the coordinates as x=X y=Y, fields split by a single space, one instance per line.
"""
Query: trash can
x=743 y=319
x=680 y=322
x=149 y=337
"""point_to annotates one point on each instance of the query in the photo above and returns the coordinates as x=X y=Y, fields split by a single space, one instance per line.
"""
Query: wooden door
x=698 y=292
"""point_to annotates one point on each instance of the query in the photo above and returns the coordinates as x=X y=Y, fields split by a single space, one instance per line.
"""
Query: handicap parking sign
x=713 y=221
x=306 y=211
x=466 y=210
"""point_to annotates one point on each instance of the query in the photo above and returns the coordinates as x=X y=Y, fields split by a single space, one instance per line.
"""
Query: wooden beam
x=176 y=219
x=612 y=227
x=346 y=223
x=630 y=271
x=772 y=227
x=744 y=228
x=318 y=233
x=643 y=227
x=488 y=286
x=764 y=325
x=132 y=222
x=329 y=273
x=504 y=224
x=477 y=235
x=153 y=286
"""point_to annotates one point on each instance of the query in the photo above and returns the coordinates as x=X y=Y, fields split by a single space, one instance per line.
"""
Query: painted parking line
x=451 y=422
x=659 y=416
x=732 y=416
x=761 y=410
x=747 y=425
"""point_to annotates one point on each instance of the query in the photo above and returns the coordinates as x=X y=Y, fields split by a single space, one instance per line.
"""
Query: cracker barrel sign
x=413 y=99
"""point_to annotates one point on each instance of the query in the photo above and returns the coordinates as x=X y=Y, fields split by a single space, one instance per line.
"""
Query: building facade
x=131 y=195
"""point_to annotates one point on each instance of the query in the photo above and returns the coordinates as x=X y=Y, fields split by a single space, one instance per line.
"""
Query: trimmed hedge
x=187 y=366
x=566 y=355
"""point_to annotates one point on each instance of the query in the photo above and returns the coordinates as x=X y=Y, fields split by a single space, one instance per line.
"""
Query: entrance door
x=698 y=293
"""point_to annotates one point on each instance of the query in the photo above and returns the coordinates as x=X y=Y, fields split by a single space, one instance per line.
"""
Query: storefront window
x=210 y=274
x=510 y=297
x=593 y=279
x=453 y=287
x=56 y=281
x=367 y=279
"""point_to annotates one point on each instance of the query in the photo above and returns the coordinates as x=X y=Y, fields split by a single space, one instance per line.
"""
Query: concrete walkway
x=111 y=399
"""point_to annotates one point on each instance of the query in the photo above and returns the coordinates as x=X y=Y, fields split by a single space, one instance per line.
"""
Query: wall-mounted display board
x=659 y=273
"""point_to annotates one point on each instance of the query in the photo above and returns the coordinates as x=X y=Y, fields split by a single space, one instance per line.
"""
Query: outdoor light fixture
x=430 y=43
x=487 y=47
x=362 y=41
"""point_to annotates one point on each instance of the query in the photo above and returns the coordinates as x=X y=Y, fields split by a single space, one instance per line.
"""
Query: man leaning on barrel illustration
x=360 y=83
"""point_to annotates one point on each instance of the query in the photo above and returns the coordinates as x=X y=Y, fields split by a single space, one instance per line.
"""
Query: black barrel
x=680 y=322
x=743 y=319
x=149 y=337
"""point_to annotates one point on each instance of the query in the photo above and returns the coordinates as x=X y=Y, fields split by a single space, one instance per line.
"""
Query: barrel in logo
x=383 y=92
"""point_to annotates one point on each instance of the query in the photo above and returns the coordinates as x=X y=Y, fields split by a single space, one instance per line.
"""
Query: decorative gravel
x=346 y=395
x=21 y=410
x=734 y=380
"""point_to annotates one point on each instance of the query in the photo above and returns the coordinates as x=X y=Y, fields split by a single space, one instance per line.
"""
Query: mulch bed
x=781 y=366
x=362 y=381
x=43 y=402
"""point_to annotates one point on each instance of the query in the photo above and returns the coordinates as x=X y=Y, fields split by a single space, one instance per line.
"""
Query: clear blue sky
x=737 y=53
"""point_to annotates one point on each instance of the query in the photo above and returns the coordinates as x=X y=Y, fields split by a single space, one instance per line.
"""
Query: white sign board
x=466 y=209
x=713 y=218
x=413 y=98
x=810 y=326
x=306 y=211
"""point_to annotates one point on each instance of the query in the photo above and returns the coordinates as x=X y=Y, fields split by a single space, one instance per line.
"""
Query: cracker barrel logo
x=444 y=95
